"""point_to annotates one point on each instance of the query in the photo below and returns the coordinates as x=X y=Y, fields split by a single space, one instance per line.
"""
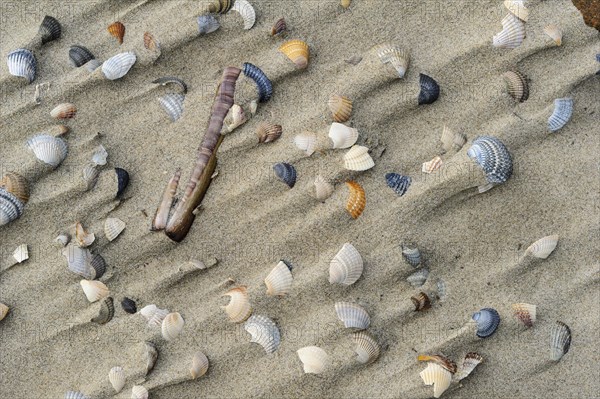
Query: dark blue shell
x=50 y=29
x=286 y=172
x=99 y=265
x=129 y=305
x=398 y=183
x=430 y=90
x=21 y=62
x=80 y=55
x=493 y=157
x=487 y=320
x=265 y=88
x=122 y=180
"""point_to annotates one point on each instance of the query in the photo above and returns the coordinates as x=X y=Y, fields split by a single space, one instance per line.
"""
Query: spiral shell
x=340 y=107
x=525 y=312
x=517 y=8
x=487 y=320
x=172 y=326
x=357 y=199
x=421 y=301
x=75 y=395
x=314 y=359
x=21 y=253
x=279 y=280
x=122 y=180
x=323 y=189
x=398 y=183
x=279 y=28
x=116 y=376
x=207 y=24
x=264 y=85
x=563 y=110
x=264 y=332
x=107 y=311
x=560 y=340
x=493 y=157
x=297 y=51
x=470 y=362
x=245 y=9
x=64 y=111
x=3 y=311
x=129 y=305
x=346 y=267
x=172 y=103
x=342 y=136
x=94 y=290
x=286 y=173
x=199 y=365
x=543 y=247
x=117 y=30
x=139 y=392
x=48 y=149
x=412 y=256
x=50 y=29
x=17 y=185
x=238 y=309
x=518 y=88
x=430 y=89
x=418 y=278
x=367 y=348
x=352 y=315
x=21 y=62
x=80 y=55
x=512 y=34
x=117 y=66
x=432 y=166
x=394 y=56
x=267 y=132
x=150 y=42
x=358 y=159
x=113 y=227
x=150 y=354
x=82 y=236
x=306 y=142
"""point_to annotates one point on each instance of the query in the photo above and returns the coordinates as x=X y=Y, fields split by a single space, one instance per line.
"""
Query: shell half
x=358 y=159
x=48 y=149
x=487 y=320
x=117 y=66
x=245 y=9
x=21 y=62
x=543 y=247
x=346 y=267
x=199 y=365
x=398 y=183
x=238 y=309
x=512 y=34
x=352 y=315
x=116 y=376
x=563 y=110
x=172 y=326
x=560 y=340
x=525 y=312
x=323 y=189
x=367 y=348
x=517 y=85
x=297 y=51
x=342 y=136
x=94 y=290
x=314 y=359
x=264 y=332
x=279 y=280
x=357 y=200
x=113 y=227
x=340 y=107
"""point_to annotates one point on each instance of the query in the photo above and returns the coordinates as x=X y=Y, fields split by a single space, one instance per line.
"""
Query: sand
x=249 y=220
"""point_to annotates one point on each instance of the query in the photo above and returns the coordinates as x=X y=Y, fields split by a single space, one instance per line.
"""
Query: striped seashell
x=217 y=6
x=172 y=326
x=17 y=185
x=21 y=62
x=117 y=30
x=90 y=175
x=352 y=315
x=139 y=392
x=560 y=340
x=487 y=320
x=398 y=183
x=199 y=365
x=412 y=256
x=543 y=247
x=367 y=348
x=279 y=280
x=525 y=312
x=107 y=311
x=64 y=111
x=264 y=332
x=512 y=34
x=98 y=264
x=340 y=107
x=517 y=8
x=113 y=227
x=563 y=110
x=442 y=290
x=432 y=166
x=314 y=359
x=358 y=159
x=245 y=9
x=75 y=395
x=238 y=309
x=493 y=157
x=3 y=311
x=117 y=66
x=346 y=266
x=264 y=85
x=297 y=51
x=82 y=236
x=150 y=42
x=150 y=355
x=418 y=278
x=79 y=261
x=394 y=56
x=342 y=136
x=207 y=24
x=172 y=103
x=50 y=29
x=129 y=305
x=555 y=33
x=154 y=315
x=122 y=180
x=279 y=28
x=430 y=89
x=470 y=362
x=345 y=3
x=48 y=149
x=323 y=189
x=286 y=173
x=80 y=55
x=21 y=253
x=116 y=376
x=357 y=200
x=166 y=80
x=94 y=290
x=518 y=88
x=421 y=301
x=306 y=142
x=268 y=132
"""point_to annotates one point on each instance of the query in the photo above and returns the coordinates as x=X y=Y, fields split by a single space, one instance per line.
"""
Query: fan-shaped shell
x=512 y=34
x=279 y=280
x=117 y=30
x=128 y=305
x=323 y=189
x=543 y=247
x=238 y=309
x=439 y=377
x=357 y=199
x=518 y=88
x=412 y=256
x=139 y=392
x=50 y=29
x=346 y=267
x=64 y=111
x=75 y=395
x=286 y=172
x=493 y=157
x=82 y=236
x=563 y=110
x=352 y=315
x=343 y=136
x=107 y=311
x=398 y=183
x=113 y=227
x=358 y=159
x=430 y=89
x=314 y=359
x=21 y=253
x=246 y=11
x=150 y=42
x=48 y=149
x=421 y=301
x=90 y=175
x=297 y=51
x=418 y=278
x=172 y=103
x=395 y=56
x=207 y=24
x=150 y=354
x=154 y=315
x=487 y=320
x=199 y=365
x=264 y=332
x=21 y=62
x=79 y=261
x=264 y=85
x=279 y=28
x=268 y=132
x=525 y=312
x=560 y=340
x=341 y=109
x=94 y=290
x=432 y=166
x=80 y=55
x=117 y=66
x=116 y=376
x=555 y=33
x=3 y=311
x=172 y=326
x=451 y=140
x=470 y=362
x=367 y=348
x=306 y=142
x=17 y=185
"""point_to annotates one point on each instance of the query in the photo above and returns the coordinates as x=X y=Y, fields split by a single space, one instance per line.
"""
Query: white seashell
x=314 y=359
x=563 y=110
x=79 y=261
x=3 y=311
x=11 y=207
x=367 y=348
x=323 y=189
x=470 y=361
x=436 y=375
x=238 y=309
x=21 y=62
x=207 y=24
x=358 y=159
x=139 y=392
x=234 y=119
x=342 y=136
x=75 y=395
x=412 y=256
x=113 y=227
x=63 y=239
x=116 y=67
x=279 y=280
x=442 y=290
x=246 y=11
x=172 y=326
x=116 y=376
x=48 y=149
x=560 y=340
x=418 y=278
x=90 y=176
x=154 y=315
x=306 y=142
x=94 y=290
x=100 y=155
x=346 y=267
x=21 y=253
x=82 y=236
x=512 y=34
x=543 y=247
x=353 y=315
x=555 y=33
x=150 y=354
x=432 y=166
x=199 y=365
x=518 y=9
x=172 y=103
x=264 y=332
x=395 y=56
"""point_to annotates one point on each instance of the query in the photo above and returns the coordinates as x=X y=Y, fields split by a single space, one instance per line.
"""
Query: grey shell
x=493 y=157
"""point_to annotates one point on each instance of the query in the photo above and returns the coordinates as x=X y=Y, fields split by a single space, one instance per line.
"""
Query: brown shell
x=219 y=6
x=356 y=200
x=518 y=88
x=64 y=111
x=421 y=301
x=268 y=132
x=117 y=30
x=150 y=42
x=525 y=312
x=17 y=185
x=279 y=27
x=439 y=359
x=340 y=107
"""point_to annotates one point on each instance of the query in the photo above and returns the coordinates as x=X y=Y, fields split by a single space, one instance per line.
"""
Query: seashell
x=418 y=278
x=286 y=172
x=264 y=85
x=354 y=60
x=64 y=111
x=75 y=395
x=154 y=315
x=79 y=261
x=246 y=11
x=297 y=51
x=525 y=312
x=139 y=392
x=487 y=320
x=3 y=311
x=394 y=56
x=560 y=340
x=82 y=237
x=367 y=348
x=421 y=301
x=21 y=253
x=512 y=34
x=563 y=110
x=122 y=180
x=17 y=185
x=107 y=311
x=94 y=290
x=279 y=280
x=80 y=55
x=48 y=149
x=113 y=227
x=150 y=42
x=171 y=79
x=207 y=24
x=98 y=264
x=470 y=361
x=50 y=29
x=264 y=332
x=10 y=207
x=21 y=62
x=430 y=90
x=518 y=88
x=543 y=247
x=117 y=66
x=323 y=189
x=555 y=33
x=129 y=305
x=268 y=132
x=346 y=266
x=172 y=103
x=493 y=157
x=357 y=199
x=199 y=365
x=150 y=356
x=117 y=30
x=279 y=28
x=432 y=166
x=238 y=309
x=438 y=376
x=341 y=109
x=306 y=142
x=172 y=326
x=517 y=8
x=398 y=183
x=314 y=359
x=100 y=155
x=345 y=3
x=358 y=159
x=342 y=136
x=451 y=140
x=235 y=117
x=412 y=256
x=442 y=290
x=116 y=376
x=352 y=315
x=218 y=6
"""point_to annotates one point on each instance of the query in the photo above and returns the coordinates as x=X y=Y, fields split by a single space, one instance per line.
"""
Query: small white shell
x=48 y=149
x=63 y=239
x=518 y=9
x=116 y=376
x=75 y=395
x=436 y=375
x=64 y=111
x=555 y=33
x=418 y=278
x=279 y=280
x=323 y=189
x=358 y=159
x=346 y=267
x=306 y=142
x=172 y=326
x=234 y=119
x=172 y=103
x=314 y=359
x=94 y=290
x=512 y=34
x=563 y=110
x=21 y=253
x=116 y=67
x=432 y=166
x=264 y=332
x=113 y=227
x=79 y=261
x=199 y=365
x=139 y=392
x=246 y=11
x=100 y=155
x=82 y=236
x=238 y=309
x=543 y=247
x=560 y=340
x=353 y=315
x=367 y=348
x=154 y=315
x=342 y=136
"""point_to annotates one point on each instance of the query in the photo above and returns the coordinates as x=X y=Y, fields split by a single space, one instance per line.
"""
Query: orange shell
x=357 y=199
x=17 y=185
x=117 y=30
x=150 y=42
x=297 y=51
x=441 y=360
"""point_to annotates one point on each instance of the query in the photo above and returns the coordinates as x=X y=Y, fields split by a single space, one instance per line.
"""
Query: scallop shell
x=129 y=305
x=246 y=11
x=512 y=34
x=517 y=8
x=267 y=132
x=50 y=29
x=394 y=56
x=279 y=28
x=48 y=149
x=279 y=280
x=75 y=395
x=207 y=24
x=314 y=359
x=82 y=237
x=342 y=136
x=412 y=256
x=418 y=278
x=518 y=88
x=116 y=376
x=17 y=185
x=341 y=109
x=218 y=6
x=21 y=62
x=555 y=33
x=10 y=207
x=421 y=301
x=357 y=199
x=79 y=261
x=487 y=320
x=323 y=189
x=139 y=392
x=94 y=290
x=238 y=309
x=358 y=159
x=470 y=362
x=543 y=247
x=525 y=312
x=64 y=111
x=150 y=42
x=172 y=103
x=21 y=253
x=398 y=183
x=199 y=365
x=80 y=55
x=367 y=348
x=122 y=180
x=563 y=110
x=150 y=356
x=493 y=157
x=346 y=267
x=297 y=51
x=113 y=227
x=264 y=332
x=107 y=311
x=117 y=30
x=560 y=341
x=306 y=142
x=285 y=172
x=432 y=166
x=3 y=311
x=430 y=89
x=172 y=326
x=117 y=66
x=98 y=264
x=264 y=85
x=439 y=377
x=352 y=315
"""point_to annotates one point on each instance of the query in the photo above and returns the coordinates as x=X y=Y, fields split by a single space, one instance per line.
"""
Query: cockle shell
x=395 y=56
x=107 y=311
x=117 y=66
x=418 y=278
x=436 y=375
x=512 y=34
x=75 y=395
x=217 y=6
x=172 y=325
x=525 y=312
x=279 y=280
x=470 y=362
x=543 y=247
x=358 y=159
x=555 y=33
x=94 y=290
x=518 y=88
x=264 y=332
x=98 y=264
x=421 y=301
x=90 y=175
x=297 y=51
x=563 y=110
x=487 y=320
x=21 y=62
x=451 y=140
x=207 y=24
x=494 y=158
x=150 y=354
x=430 y=89
x=154 y=315
x=3 y=311
x=129 y=305
x=286 y=172
x=21 y=253
x=367 y=348
x=139 y=392
x=357 y=200
x=117 y=30
x=432 y=166
x=398 y=183
x=238 y=309
x=80 y=55
x=517 y=8
x=279 y=28
x=116 y=376
x=352 y=315
x=113 y=227
x=172 y=103
x=412 y=256
x=264 y=85
x=64 y=111
x=323 y=189
x=50 y=29
x=246 y=11
x=150 y=42
x=268 y=132
x=48 y=149
x=342 y=136
x=560 y=340
x=341 y=108
x=79 y=261
x=314 y=359
x=306 y=142
x=17 y=185
x=82 y=236
x=199 y=365
x=122 y=180
x=346 y=266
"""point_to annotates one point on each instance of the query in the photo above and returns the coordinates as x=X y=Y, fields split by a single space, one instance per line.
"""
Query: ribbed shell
x=150 y=42
x=418 y=278
x=17 y=185
x=432 y=166
x=279 y=280
x=207 y=24
x=75 y=395
x=264 y=332
x=21 y=253
x=80 y=55
x=451 y=140
x=518 y=88
x=306 y=142
x=107 y=311
x=139 y=392
x=129 y=305
x=79 y=261
x=50 y=29
x=421 y=302
x=442 y=290
x=238 y=309
x=268 y=132
x=113 y=227
x=525 y=312
x=116 y=376
x=430 y=89
x=357 y=200
x=90 y=175
x=245 y=9
x=64 y=111
x=543 y=247
x=560 y=340
x=340 y=107
x=117 y=66
x=470 y=361
x=439 y=377
x=48 y=149
x=21 y=62
x=493 y=157
x=395 y=56
x=199 y=365
x=94 y=290
x=297 y=51
x=265 y=87
x=555 y=33
x=323 y=189
x=487 y=320
x=517 y=8
x=352 y=315
x=346 y=267
x=367 y=348
x=117 y=30
x=98 y=264
x=512 y=34
x=358 y=159
x=286 y=173
x=412 y=256
x=279 y=28
x=219 y=6
x=172 y=103
x=154 y=315
x=398 y=183
x=122 y=180
x=150 y=354
x=3 y=311
x=342 y=136
x=314 y=359
x=563 y=110
x=172 y=326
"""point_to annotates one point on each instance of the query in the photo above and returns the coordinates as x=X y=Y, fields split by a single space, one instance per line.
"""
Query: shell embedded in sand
x=139 y=392
x=563 y=110
x=342 y=136
x=3 y=311
x=430 y=89
x=94 y=290
x=421 y=301
x=80 y=55
x=268 y=132
x=367 y=348
x=346 y=266
x=306 y=142
x=398 y=183
x=82 y=236
x=50 y=29
x=154 y=315
x=79 y=261
x=518 y=88
x=116 y=376
x=129 y=305
x=150 y=42
x=358 y=159
x=525 y=312
x=451 y=140
x=555 y=33
x=122 y=180
x=75 y=395
x=279 y=280
x=560 y=340
x=172 y=326
x=238 y=309
x=107 y=311
x=512 y=34
x=286 y=173
x=217 y=6
x=48 y=149
x=314 y=359
x=21 y=62
x=395 y=56
x=517 y=8
x=99 y=156
x=487 y=320
x=353 y=315
x=150 y=354
x=418 y=278
x=412 y=256
x=113 y=227
x=17 y=185
x=166 y=80
x=63 y=239
x=432 y=166
x=264 y=85
x=264 y=332
x=494 y=158
x=543 y=247
x=207 y=24
x=279 y=27
x=234 y=119
x=11 y=207
x=90 y=175
x=357 y=199
x=199 y=365
x=246 y=11
x=21 y=253
x=117 y=66
x=117 y=30
x=438 y=376
x=470 y=362
x=340 y=107
x=323 y=189
x=297 y=51
x=172 y=104
x=98 y=264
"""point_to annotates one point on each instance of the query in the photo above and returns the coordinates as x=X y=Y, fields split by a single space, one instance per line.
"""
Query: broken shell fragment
x=358 y=159
x=451 y=140
x=94 y=290
x=122 y=180
x=199 y=365
x=113 y=227
x=99 y=156
x=357 y=200
x=150 y=42
x=116 y=376
x=340 y=107
x=555 y=33
x=264 y=332
x=487 y=320
x=367 y=348
x=432 y=166
x=150 y=355
x=437 y=375
x=346 y=267
x=352 y=315
x=525 y=312
x=75 y=395
x=79 y=261
x=517 y=8
x=172 y=325
x=297 y=51
x=64 y=111
x=21 y=253
x=90 y=175
x=314 y=359
x=107 y=311
x=342 y=136
x=470 y=362
x=154 y=315
x=543 y=247
x=117 y=30
x=560 y=340
x=63 y=239
x=398 y=183
x=421 y=301
x=394 y=56
x=412 y=256
x=234 y=119
x=82 y=236
x=323 y=189
x=172 y=80
x=279 y=280
x=238 y=309
x=268 y=132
